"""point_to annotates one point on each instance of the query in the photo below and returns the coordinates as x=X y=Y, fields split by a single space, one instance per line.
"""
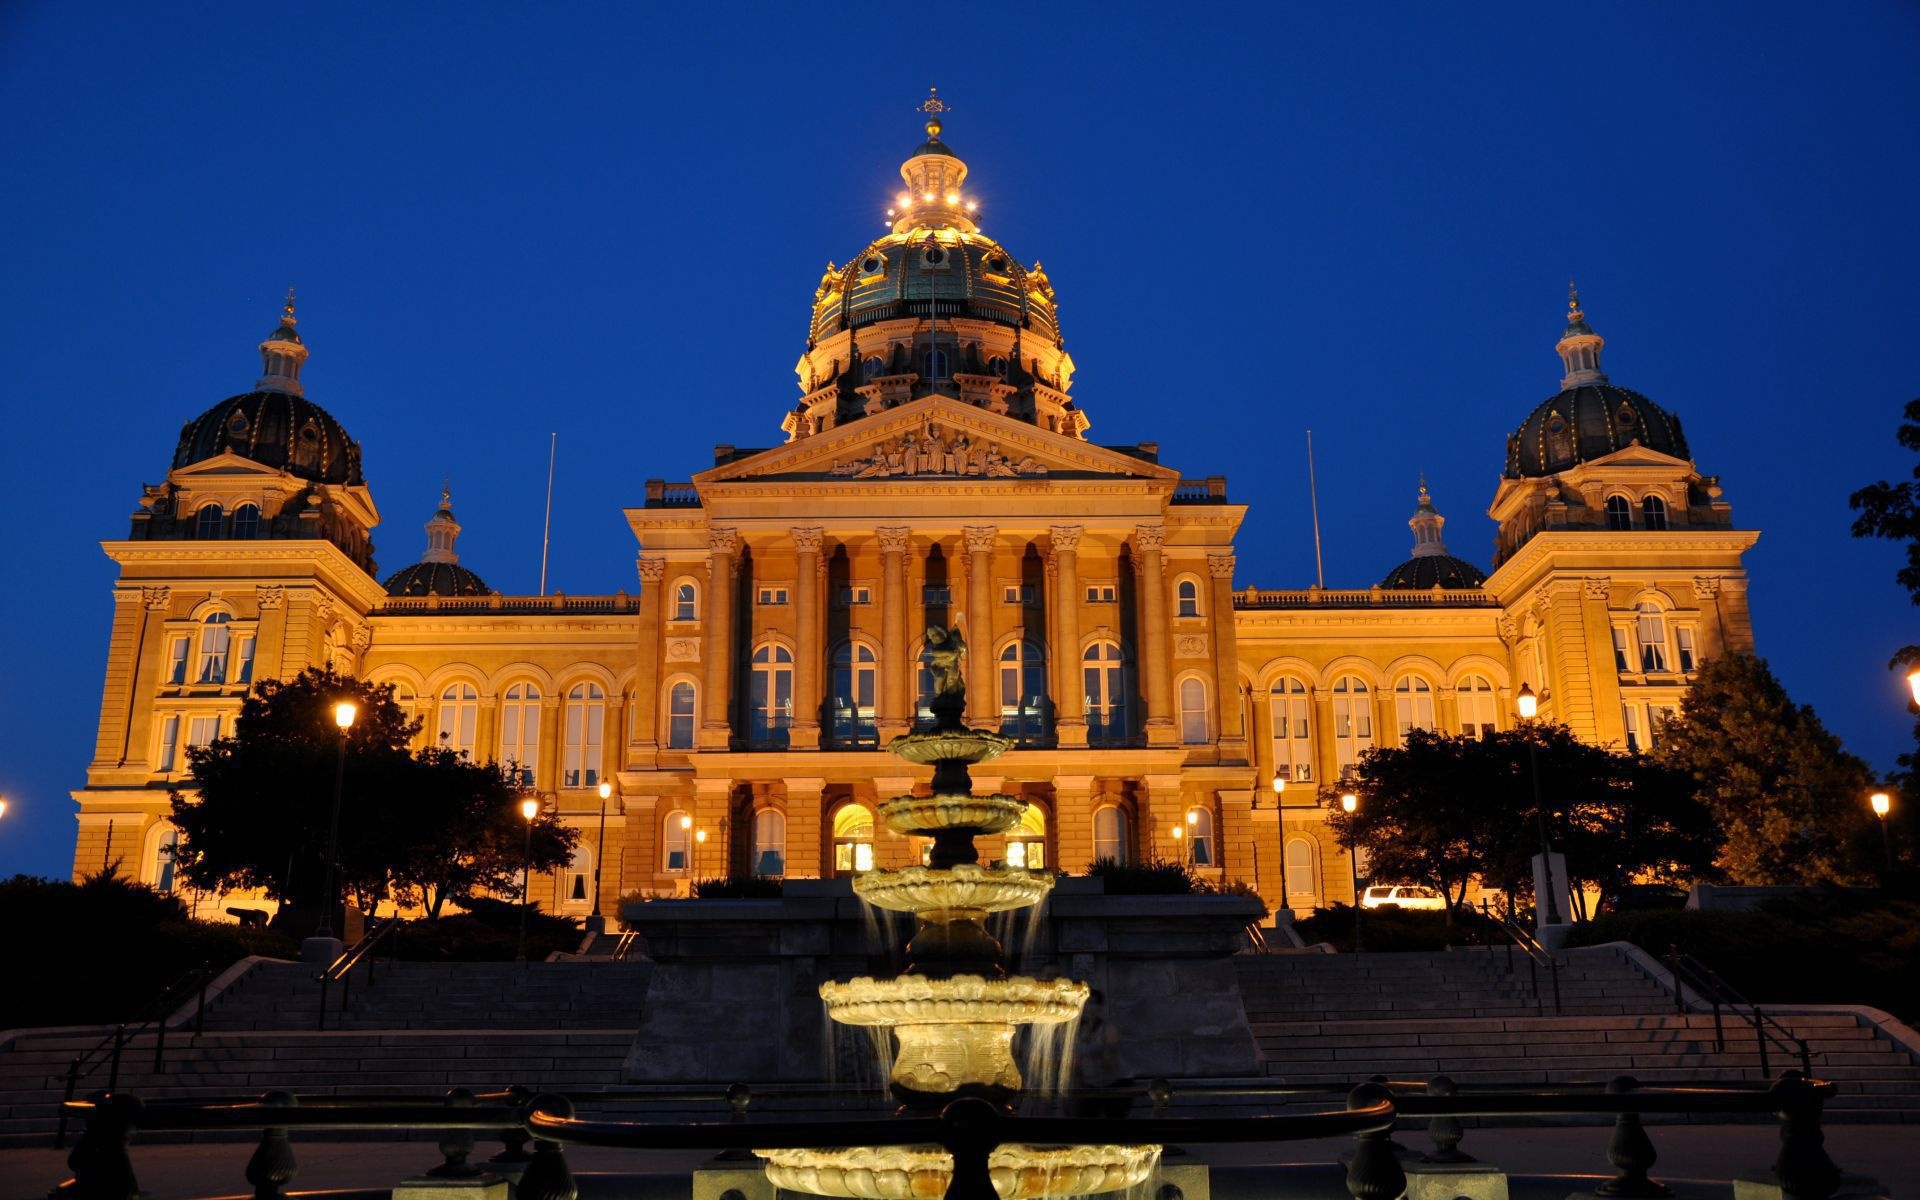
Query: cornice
x=314 y=556
x=1639 y=550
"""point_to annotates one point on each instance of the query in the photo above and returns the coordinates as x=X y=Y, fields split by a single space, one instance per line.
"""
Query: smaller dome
x=1428 y=570
x=436 y=579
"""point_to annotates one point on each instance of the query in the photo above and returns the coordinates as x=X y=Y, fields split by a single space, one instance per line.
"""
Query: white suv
x=1402 y=896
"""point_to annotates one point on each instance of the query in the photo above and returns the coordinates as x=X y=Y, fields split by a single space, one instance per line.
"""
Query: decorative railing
x=661 y=494
x=1314 y=597
x=1211 y=490
x=969 y=1129
x=496 y=604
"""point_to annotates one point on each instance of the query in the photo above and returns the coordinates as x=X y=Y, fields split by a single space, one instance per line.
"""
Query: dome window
x=1626 y=417
x=208 y=522
x=237 y=424
x=996 y=263
x=997 y=367
x=937 y=364
x=872 y=265
x=306 y=452
x=933 y=258
x=873 y=369
x=1559 y=442
x=246 y=521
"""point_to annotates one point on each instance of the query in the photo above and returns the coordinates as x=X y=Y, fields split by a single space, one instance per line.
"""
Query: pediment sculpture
x=931 y=452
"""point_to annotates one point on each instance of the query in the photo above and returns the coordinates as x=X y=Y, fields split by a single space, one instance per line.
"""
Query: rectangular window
x=773 y=595
x=169 y=743
x=1018 y=593
x=936 y=595
x=1630 y=717
x=1621 y=662
x=1683 y=642
x=201 y=731
x=1651 y=632
x=243 y=665
x=1657 y=717
x=177 y=659
x=848 y=597
x=1099 y=593
x=213 y=654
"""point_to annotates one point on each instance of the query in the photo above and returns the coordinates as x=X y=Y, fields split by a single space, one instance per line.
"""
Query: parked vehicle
x=1402 y=895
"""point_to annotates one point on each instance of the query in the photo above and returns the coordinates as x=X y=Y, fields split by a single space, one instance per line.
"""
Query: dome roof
x=436 y=579
x=276 y=429
x=967 y=273
x=1586 y=422
x=1428 y=570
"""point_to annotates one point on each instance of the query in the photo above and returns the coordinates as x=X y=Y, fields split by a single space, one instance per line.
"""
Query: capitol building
x=937 y=470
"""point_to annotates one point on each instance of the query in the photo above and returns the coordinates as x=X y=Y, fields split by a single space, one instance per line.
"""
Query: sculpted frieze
x=932 y=452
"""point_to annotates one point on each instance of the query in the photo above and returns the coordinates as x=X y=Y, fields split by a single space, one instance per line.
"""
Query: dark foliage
x=1385 y=929
x=488 y=932
x=1155 y=878
x=738 y=887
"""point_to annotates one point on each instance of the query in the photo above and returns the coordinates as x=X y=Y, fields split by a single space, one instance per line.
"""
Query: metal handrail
x=110 y=1048
x=342 y=967
x=1537 y=954
x=1691 y=972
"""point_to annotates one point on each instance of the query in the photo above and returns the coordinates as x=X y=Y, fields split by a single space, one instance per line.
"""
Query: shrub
x=1236 y=887
x=744 y=887
x=1386 y=929
x=1155 y=878
x=489 y=931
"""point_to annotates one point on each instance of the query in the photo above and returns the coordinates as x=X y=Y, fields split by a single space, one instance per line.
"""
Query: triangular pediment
x=1637 y=455
x=937 y=438
x=225 y=463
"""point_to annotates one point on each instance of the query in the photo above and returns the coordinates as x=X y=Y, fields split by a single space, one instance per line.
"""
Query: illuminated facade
x=935 y=472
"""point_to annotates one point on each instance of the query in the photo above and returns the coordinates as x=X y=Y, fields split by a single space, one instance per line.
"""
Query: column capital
x=1706 y=587
x=894 y=539
x=1220 y=566
x=1597 y=587
x=723 y=539
x=1065 y=538
x=652 y=570
x=1149 y=538
x=268 y=596
x=807 y=539
x=981 y=538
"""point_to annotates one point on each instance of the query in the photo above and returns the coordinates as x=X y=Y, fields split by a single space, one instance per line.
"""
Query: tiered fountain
x=954 y=1012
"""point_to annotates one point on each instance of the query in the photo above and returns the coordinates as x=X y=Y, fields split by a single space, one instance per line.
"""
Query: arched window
x=686 y=601
x=1292 y=731
x=769 y=842
x=1475 y=697
x=1413 y=705
x=1559 y=440
x=770 y=706
x=1352 y=720
x=575 y=891
x=923 y=692
x=856 y=676
x=1023 y=691
x=161 y=866
x=1027 y=841
x=681 y=698
x=1653 y=513
x=208 y=522
x=216 y=636
x=676 y=842
x=1187 y=598
x=1200 y=836
x=1650 y=630
x=1193 y=711
x=1110 y=838
x=405 y=700
x=1619 y=512
x=459 y=716
x=585 y=726
x=997 y=367
x=1106 y=691
x=246 y=521
x=936 y=364
x=520 y=732
x=852 y=840
x=873 y=369
x=1303 y=875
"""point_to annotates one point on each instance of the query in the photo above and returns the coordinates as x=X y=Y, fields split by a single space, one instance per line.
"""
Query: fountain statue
x=954 y=1011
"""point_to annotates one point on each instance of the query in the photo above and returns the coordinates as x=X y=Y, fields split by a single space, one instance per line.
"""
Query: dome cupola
x=438 y=573
x=282 y=356
x=1431 y=566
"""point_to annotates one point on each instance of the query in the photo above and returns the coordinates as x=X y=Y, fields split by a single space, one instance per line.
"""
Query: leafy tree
x=1892 y=511
x=1787 y=797
x=432 y=825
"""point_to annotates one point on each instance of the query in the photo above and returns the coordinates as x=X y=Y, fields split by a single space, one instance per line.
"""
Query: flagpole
x=546 y=527
x=1313 y=492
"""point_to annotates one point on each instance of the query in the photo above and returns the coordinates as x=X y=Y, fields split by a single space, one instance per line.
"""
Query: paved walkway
x=1886 y=1152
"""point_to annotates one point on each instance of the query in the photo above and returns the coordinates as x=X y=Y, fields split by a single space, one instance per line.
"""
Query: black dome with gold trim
x=1588 y=422
x=276 y=429
x=435 y=579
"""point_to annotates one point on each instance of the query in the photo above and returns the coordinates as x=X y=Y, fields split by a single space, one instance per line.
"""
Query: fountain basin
x=922 y=1172
x=924 y=815
x=966 y=889
x=950 y=745
x=961 y=1000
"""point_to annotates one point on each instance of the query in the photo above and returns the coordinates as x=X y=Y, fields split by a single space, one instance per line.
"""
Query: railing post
x=972 y=1133
x=73 y=1081
x=739 y=1096
x=1631 y=1150
x=113 y=1068
x=1804 y=1170
x=272 y=1166
x=547 y=1176
x=102 y=1165
x=1553 y=969
x=159 y=1040
x=325 y=974
x=1374 y=1172
x=456 y=1145
x=1161 y=1093
x=200 y=1010
x=1444 y=1132
x=514 y=1138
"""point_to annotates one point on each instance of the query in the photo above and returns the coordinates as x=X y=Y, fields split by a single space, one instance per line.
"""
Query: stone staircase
x=412 y=995
x=1336 y=1019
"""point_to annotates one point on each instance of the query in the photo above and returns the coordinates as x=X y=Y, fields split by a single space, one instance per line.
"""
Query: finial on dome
x=286 y=311
x=442 y=529
x=1573 y=303
x=1579 y=346
x=1426 y=524
x=282 y=355
x=446 y=494
x=933 y=106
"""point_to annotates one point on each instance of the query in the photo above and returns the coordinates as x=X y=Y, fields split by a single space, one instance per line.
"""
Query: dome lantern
x=935 y=178
x=282 y=355
x=442 y=529
x=1426 y=524
x=1579 y=346
x=438 y=573
x=1430 y=565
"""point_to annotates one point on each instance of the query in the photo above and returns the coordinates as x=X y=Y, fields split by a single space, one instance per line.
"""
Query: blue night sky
x=608 y=221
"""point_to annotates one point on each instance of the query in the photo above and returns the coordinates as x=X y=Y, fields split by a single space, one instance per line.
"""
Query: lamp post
x=1913 y=681
x=1280 y=830
x=1529 y=705
x=1350 y=802
x=1882 y=805
x=1193 y=827
x=343 y=714
x=597 y=923
x=699 y=844
x=1179 y=845
x=529 y=808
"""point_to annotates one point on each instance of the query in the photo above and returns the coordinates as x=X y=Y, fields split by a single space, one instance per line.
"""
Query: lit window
x=769 y=842
x=165 y=850
x=1292 y=731
x=680 y=711
x=1475 y=697
x=403 y=697
x=1105 y=676
x=1188 y=598
x=169 y=744
x=1619 y=512
x=678 y=838
x=246 y=521
x=585 y=722
x=852 y=840
x=773 y=596
x=686 y=599
x=1200 y=836
x=459 y=716
x=856 y=678
x=1352 y=720
x=520 y=732
x=202 y=731
x=1303 y=887
x=1412 y=705
x=177 y=653
x=1023 y=691
x=579 y=867
x=215 y=637
x=770 y=703
x=1683 y=644
x=1193 y=711
x=1110 y=834
x=208 y=522
x=1651 y=631
x=1027 y=841
x=1630 y=717
x=1658 y=716
x=1653 y=513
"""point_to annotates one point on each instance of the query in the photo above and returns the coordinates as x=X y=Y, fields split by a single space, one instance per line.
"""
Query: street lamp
x=1179 y=834
x=1193 y=828
x=1882 y=805
x=1350 y=802
x=1913 y=681
x=3 y=806
x=1529 y=706
x=1280 y=829
x=699 y=844
x=529 y=808
x=600 y=853
x=343 y=715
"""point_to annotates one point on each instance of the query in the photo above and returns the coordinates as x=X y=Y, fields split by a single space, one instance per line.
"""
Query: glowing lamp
x=686 y=822
x=1279 y=784
x=1193 y=817
x=529 y=808
x=3 y=807
x=1527 y=702
x=344 y=713
x=1349 y=802
x=953 y=198
x=889 y=212
x=606 y=791
x=1882 y=804
x=1913 y=681
x=1178 y=833
x=700 y=835
x=973 y=206
x=927 y=196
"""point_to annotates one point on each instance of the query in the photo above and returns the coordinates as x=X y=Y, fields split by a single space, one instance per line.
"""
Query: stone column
x=269 y=648
x=806 y=850
x=546 y=776
x=716 y=727
x=1609 y=726
x=1160 y=809
x=1226 y=660
x=805 y=734
x=1070 y=702
x=1157 y=656
x=1260 y=743
x=983 y=701
x=1326 y=755
x=643 y=732
x=149 y=662
x=486 y=729
x=896 y=714
x=1073 y=822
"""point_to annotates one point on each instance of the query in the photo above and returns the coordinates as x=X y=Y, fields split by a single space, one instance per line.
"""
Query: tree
x=434 y=825
x=1787 y=797
x=1892 y=511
